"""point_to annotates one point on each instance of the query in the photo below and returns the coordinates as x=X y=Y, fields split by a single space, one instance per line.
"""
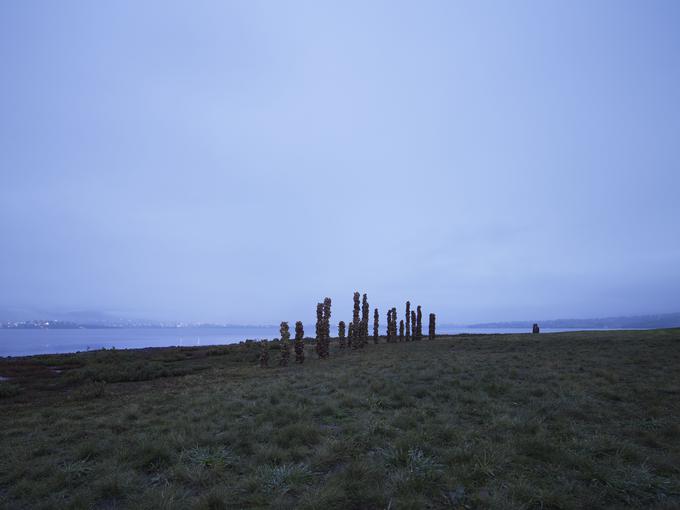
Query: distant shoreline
x=16 y=343
x=651 y=321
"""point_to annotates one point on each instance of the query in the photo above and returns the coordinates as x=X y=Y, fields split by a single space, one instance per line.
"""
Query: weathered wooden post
x=390 y=337
x=364 y=319
x=431 y=332
x=341 y=334
x=326 y=326
x=285 y=344
x=299 y=342
x=356 y=323
x=408 y=321
x=393 y=326
x=318 y=346
x=419 y=323
x=376 y=335
x=414 y=330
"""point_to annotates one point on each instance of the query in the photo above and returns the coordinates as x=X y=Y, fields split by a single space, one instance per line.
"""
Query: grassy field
x=569 y=420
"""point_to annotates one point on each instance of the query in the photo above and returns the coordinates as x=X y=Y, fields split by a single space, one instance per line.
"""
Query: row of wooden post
x=357 y=333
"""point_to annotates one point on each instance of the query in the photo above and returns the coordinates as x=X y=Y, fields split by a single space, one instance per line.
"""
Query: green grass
x=568 y=420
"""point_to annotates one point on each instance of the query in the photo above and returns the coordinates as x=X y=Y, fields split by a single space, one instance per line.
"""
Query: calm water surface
x=23 y=342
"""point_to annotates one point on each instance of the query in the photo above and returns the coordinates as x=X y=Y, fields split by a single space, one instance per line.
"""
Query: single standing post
x=319 y=330
x=431 y=332
x=419 y=323
x=299 y=342
x=365 y=310
x=376 y=335
x=413 y=325
x=326 y=326
x=394 y=324
x=388 y=331
x=285 y=344
x=356 y=323
x=341 y=334
x=408 y=321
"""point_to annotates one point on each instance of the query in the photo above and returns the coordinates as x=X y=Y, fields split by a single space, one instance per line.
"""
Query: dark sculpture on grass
x=414 y=330
x=409 y=328
x=408 y=324
x=323 y=328
x=535 y=330
x=376 y=317
x=326 y=326
x=431 y=332
x=419 y=324
x=365 y=310
x=356 y=326
x=341 y=334
x=318 y=346
x=388 y=329
x=392 y=325
x=299 y=342
x=285 y=344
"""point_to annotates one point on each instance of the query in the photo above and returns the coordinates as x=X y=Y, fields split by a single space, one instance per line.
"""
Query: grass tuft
x=287 y=478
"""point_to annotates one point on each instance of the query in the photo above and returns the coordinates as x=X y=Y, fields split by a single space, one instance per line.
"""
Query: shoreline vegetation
x=559 y=420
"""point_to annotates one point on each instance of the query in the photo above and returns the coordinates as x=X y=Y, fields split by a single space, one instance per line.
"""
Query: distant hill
x=667 y=320
x=77 y=317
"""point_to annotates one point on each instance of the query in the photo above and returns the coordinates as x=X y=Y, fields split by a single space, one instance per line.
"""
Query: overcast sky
x=239 y=161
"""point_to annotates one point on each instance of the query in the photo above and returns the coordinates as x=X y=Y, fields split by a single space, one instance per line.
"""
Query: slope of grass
x=569 y=420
